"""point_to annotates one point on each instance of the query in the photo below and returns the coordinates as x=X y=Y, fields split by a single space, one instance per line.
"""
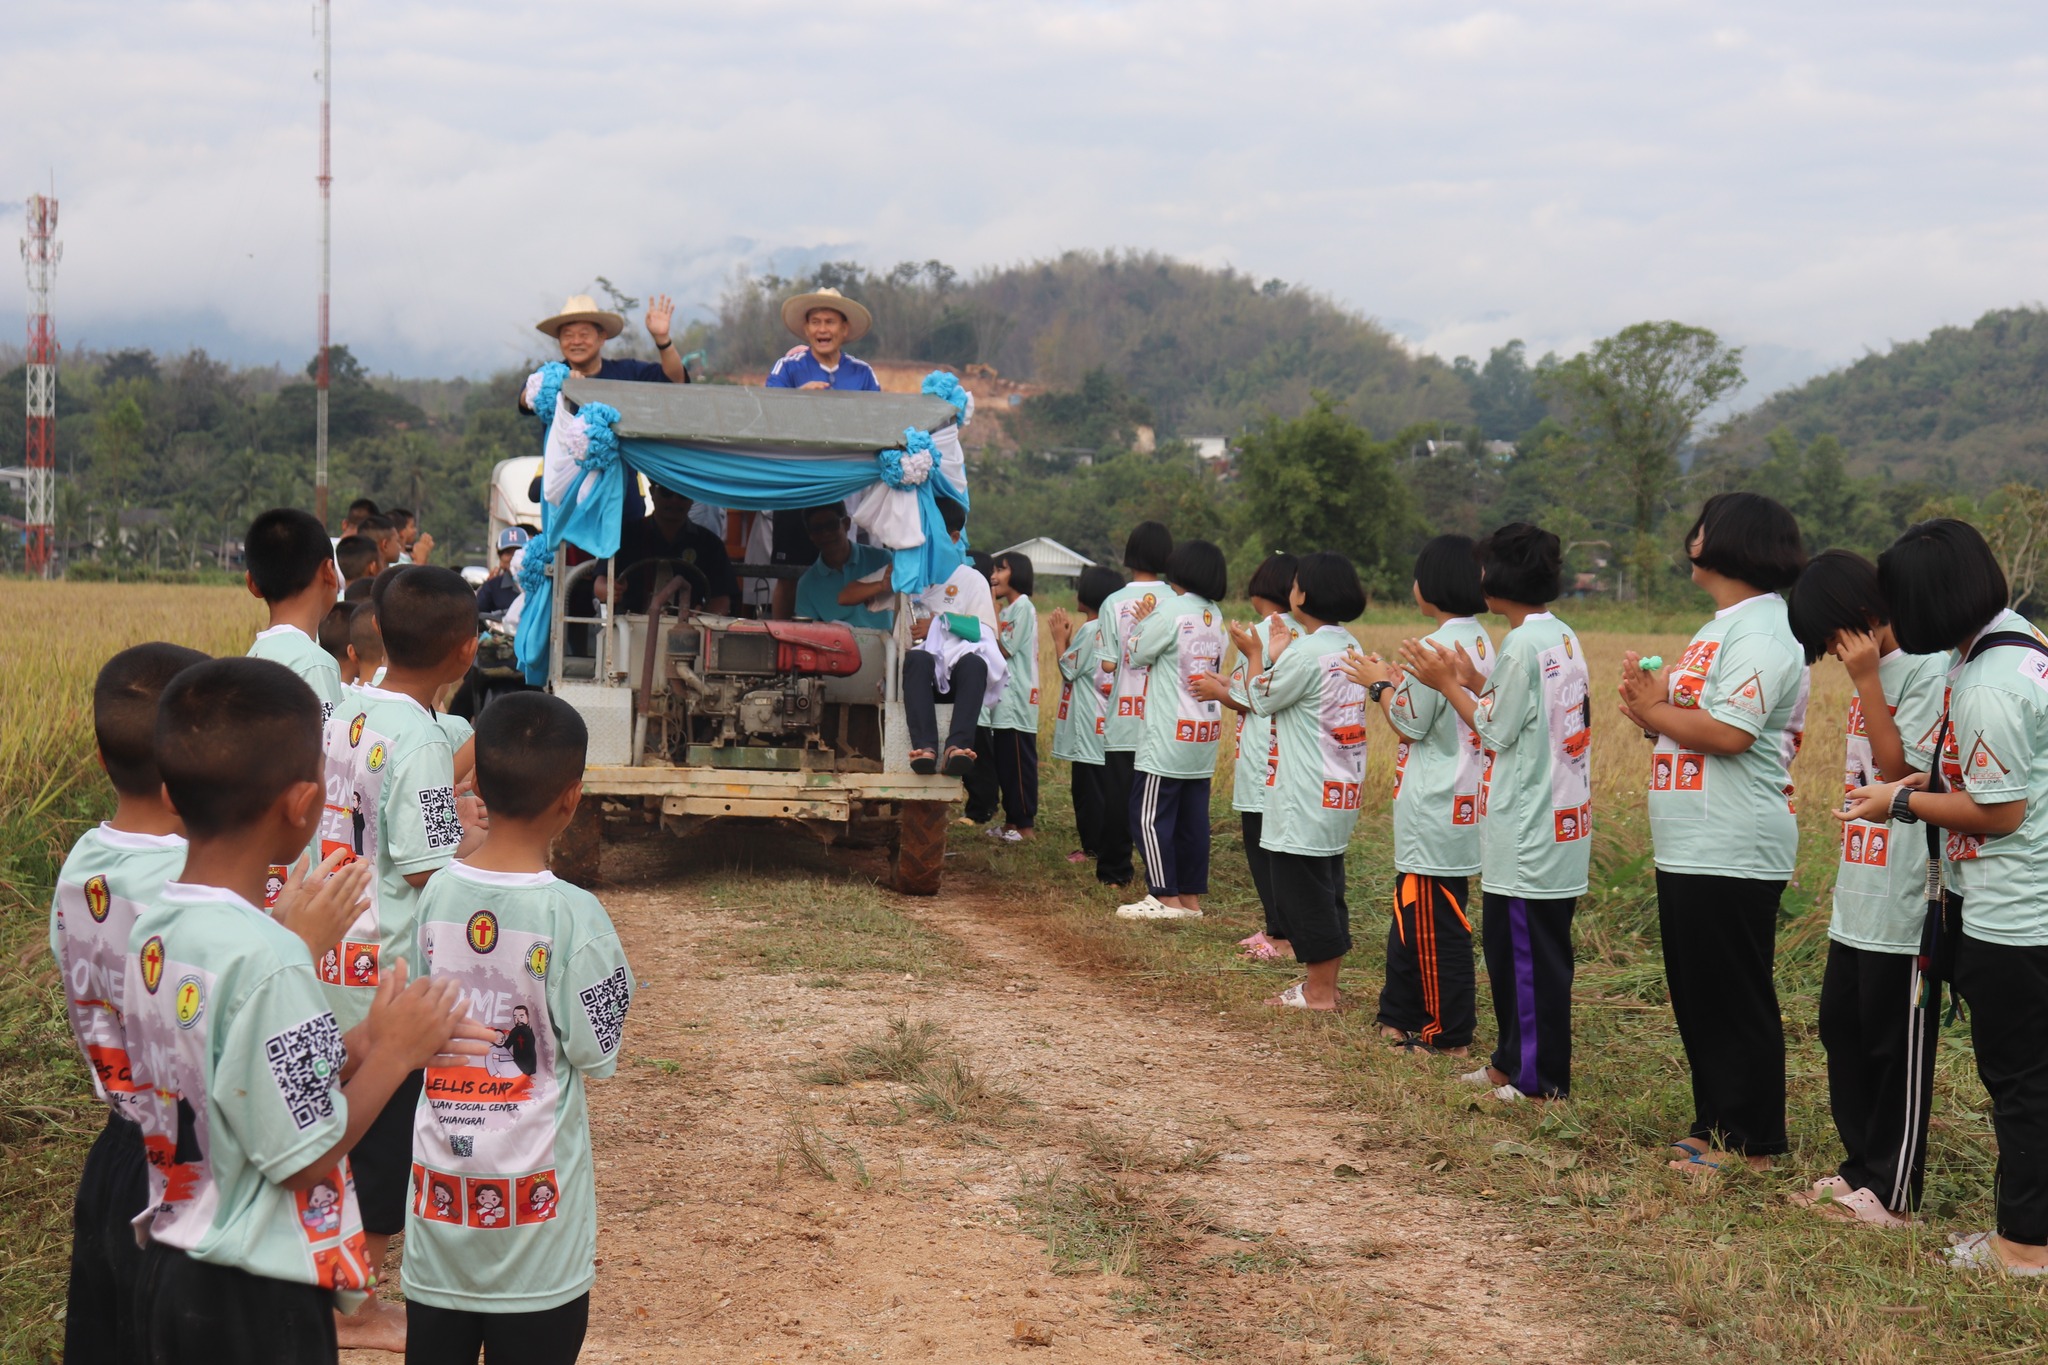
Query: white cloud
x=1810 y=179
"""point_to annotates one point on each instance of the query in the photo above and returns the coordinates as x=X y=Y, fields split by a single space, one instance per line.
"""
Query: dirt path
x=1271 y=1228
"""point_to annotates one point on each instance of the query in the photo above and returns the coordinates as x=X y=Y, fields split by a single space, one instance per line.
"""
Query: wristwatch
x=1376 y=690
x=664 y=345
x=1902 y=806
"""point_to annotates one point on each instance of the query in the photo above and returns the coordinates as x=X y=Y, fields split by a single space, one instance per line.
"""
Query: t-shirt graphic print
x=503 y=1211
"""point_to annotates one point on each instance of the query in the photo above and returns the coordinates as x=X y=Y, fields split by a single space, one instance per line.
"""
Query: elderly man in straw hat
x=582 y=328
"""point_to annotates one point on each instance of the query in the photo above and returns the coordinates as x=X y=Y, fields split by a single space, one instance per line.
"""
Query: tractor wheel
x=574 y=854
x=921 y=847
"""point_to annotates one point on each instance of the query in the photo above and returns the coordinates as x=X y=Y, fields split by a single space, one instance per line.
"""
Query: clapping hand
x=1874 y=803
x=1641 y=688
x=320 y=905
x=1209 y=687
x=1440 y=669
x=1367 y=669
x=1062 y=627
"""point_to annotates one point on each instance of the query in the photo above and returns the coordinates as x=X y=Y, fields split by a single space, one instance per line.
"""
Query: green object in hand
x=1650 y=663
x=964 y=627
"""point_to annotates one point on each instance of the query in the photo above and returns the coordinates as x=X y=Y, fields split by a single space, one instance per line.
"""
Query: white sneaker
x=1478 y=1078
x=1507 y=1094
x=1153 y=908
x=1003 y=834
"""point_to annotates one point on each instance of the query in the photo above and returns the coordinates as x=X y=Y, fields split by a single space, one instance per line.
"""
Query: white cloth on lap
x=964 y=593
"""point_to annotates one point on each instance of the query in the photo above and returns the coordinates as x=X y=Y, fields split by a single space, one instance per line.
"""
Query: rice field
x=53 y=639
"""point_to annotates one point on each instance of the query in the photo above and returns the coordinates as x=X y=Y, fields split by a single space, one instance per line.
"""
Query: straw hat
x=795 y=310
x=582 y=308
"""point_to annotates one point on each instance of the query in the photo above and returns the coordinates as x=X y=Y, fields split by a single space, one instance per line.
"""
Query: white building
x=1049 y=558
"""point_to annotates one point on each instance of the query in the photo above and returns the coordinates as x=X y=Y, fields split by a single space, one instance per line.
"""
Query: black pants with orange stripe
x=1430 y=992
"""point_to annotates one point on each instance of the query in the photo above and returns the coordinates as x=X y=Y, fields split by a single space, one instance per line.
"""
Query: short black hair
x=529 y=748
x=363 y=507
x=1837 y=592
x=363 y=632
x=1522 y=563
x=1329 y=585
x=952 y=514
x=124 y=699
x=284 y=550
x=233 y=735
x=1023 y=575
x=425 y=612
x=1447 y=576
x=1096 y=584
x=355 y=554
x=334 y=630
x=1149 y=547
x=1273 y=578
x=837 y=509
x=401 y=517
x=362 y=590
x=375 y=526
x=1749 y=538
x=1198 y=567
x=1942 y=584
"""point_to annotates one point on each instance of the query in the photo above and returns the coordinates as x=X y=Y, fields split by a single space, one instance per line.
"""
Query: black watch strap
x=664 y=345
x=1902 y=806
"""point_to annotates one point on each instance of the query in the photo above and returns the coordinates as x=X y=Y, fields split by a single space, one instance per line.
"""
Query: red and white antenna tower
x=41 y=252
x=326 y=183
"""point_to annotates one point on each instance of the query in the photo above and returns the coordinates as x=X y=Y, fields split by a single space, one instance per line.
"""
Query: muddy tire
x=574 y=855
x=920 y=847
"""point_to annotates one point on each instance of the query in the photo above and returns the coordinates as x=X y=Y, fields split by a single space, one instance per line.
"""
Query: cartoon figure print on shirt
x=1568 y=709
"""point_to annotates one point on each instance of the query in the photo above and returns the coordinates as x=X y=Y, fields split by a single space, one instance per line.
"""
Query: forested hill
x=1208 y=351
x=1966 y=408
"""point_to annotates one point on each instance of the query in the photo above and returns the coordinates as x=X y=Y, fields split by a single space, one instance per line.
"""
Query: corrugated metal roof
x=733 y=414
x=1048 y=556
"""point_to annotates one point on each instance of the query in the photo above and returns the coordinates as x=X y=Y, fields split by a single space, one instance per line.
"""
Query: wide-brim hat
x=795 y=310
x=582 y=308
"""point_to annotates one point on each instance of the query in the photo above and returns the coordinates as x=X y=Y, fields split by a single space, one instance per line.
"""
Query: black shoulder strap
x=2017 y=638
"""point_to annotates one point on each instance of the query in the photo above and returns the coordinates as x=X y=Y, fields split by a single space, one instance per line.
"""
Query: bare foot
x=376 y=1326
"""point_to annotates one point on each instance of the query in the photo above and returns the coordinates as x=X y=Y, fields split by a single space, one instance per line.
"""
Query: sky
x=1811 y=180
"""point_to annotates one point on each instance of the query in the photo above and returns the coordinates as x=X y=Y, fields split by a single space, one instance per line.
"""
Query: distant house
x=1502 y=451
x=1211 y=447
x=1051 y=559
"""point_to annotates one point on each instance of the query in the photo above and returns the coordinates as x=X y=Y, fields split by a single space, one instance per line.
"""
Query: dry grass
x=56 y=637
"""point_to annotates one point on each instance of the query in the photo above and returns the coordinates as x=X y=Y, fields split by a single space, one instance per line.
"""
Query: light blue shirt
x=817 y=592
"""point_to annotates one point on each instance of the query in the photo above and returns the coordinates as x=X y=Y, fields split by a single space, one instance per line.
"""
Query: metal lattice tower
x=40 y=251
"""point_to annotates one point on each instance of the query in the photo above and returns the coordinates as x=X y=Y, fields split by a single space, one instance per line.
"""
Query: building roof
x=1049 y=557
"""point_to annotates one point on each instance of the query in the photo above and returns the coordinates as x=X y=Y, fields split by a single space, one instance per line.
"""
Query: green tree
x=1505 y=400
x=119 y=455
x=1635 y=398
x=1320 y=482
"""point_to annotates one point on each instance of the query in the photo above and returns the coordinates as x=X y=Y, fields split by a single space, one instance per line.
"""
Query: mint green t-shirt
x=1085 y=684
x=1881 y=880
x=391 y=797
x=292 y=647
x=457 y=730
x=1315 y=762
x=1535 y=728
x=1017 y=637
x=241 y=1058
x=1126 y=722
x=1180 y=640
x=1731 y=815
x=107 y=879
x=1998 y=718
x=1254 y=743
x=503 y=1217
x=1436 y=768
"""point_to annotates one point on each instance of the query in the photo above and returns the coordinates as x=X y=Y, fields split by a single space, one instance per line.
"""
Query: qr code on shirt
x=437 y=810
x=605 y=1006
x=305 y=1061
x=462 y=1144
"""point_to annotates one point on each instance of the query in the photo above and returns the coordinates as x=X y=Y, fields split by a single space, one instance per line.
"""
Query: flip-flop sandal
x=959 y=762
x=1694 y=1156
x=1974 y=1251
x=1262 y=952
x=1295 y=997
x=1080 y=856
x=1258 y=936
x=1412 y=1044
x=926 y=765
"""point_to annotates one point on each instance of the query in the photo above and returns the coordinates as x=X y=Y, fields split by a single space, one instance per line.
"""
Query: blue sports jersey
x=800 y=367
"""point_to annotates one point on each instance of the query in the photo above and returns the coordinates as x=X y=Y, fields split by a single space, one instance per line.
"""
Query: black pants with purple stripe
x=1879 y=1020
x=1528 y=949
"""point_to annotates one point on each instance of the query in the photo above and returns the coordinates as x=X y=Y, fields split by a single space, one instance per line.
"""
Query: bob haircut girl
x=1270 y=590
x=1879 y=1017
x=1727 y=721
x=1177 y=641
x=1946 y=592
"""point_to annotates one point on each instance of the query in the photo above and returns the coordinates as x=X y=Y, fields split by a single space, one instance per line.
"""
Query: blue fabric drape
x=746 y=480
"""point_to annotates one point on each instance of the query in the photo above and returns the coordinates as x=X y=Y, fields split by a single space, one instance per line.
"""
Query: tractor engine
x=810 y=692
